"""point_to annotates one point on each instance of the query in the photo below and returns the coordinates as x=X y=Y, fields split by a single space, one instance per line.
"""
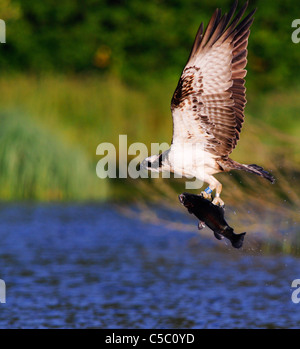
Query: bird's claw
x=205 y=195
x=218 y=201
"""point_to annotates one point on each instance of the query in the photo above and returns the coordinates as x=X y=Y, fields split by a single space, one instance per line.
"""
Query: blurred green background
x=75 y=74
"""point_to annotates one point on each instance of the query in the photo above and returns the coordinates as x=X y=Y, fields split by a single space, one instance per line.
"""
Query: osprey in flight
x=208 y=104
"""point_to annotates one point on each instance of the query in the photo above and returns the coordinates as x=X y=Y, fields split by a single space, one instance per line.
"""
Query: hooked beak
x=143 y=165
x=148 y=165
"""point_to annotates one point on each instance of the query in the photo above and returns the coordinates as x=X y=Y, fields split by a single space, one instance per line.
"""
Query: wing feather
x=208 y=103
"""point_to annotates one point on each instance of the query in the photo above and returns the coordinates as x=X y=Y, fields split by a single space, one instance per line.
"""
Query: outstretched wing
x=208 y=103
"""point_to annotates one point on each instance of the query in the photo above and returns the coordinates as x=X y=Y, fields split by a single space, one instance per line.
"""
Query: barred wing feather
x=208 y=103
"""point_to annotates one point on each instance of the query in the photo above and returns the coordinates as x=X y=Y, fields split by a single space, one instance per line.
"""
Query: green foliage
x=142 y=40
x=89 y=110
x=35 y=164
x=9 y=10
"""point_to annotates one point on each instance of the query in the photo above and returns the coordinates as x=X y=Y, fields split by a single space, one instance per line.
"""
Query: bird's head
x=152 y=163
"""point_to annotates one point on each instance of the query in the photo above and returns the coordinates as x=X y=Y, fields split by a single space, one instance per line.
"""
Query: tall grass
x=36 y=164
x=88 y=110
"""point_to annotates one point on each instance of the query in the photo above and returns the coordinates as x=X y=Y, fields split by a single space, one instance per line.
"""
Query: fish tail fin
x=237 y=240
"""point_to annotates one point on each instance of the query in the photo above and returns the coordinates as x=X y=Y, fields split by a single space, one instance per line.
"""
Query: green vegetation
x=139 y=41
x=36 y=164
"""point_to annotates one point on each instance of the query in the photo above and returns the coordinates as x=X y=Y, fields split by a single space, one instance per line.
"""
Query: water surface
x=87 y=266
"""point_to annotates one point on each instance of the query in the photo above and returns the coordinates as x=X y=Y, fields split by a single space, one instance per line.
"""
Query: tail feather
x=233 y=165
x=259 y=171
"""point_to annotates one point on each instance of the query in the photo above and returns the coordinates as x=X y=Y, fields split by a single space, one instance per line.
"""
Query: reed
x=36 y=164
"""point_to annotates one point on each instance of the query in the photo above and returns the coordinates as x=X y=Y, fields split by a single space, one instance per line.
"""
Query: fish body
x=212 y=216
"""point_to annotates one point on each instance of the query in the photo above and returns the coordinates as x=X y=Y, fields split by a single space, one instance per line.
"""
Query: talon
x=218 y=201
x=205 y=195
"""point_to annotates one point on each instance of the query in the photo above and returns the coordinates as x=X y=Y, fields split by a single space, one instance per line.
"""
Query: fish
x=212 y=216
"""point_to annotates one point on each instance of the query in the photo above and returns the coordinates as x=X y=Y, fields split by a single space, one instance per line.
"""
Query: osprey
x=208 y=104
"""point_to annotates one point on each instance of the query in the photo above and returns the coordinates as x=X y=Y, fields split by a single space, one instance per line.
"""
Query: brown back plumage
x=208 y=103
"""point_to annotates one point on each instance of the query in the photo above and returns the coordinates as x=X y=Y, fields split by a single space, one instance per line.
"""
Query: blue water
x=87 y=266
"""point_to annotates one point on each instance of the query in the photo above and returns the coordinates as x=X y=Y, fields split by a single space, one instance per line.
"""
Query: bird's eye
x=149 y=164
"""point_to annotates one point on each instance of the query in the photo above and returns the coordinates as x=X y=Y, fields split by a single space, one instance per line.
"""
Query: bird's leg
x=217 y=200
x=213 y=185
x=206 y=193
